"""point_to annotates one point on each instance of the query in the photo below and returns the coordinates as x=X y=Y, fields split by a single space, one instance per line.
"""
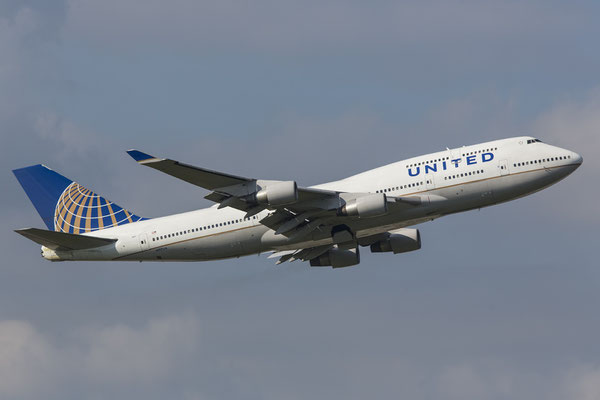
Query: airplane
x=324 y=224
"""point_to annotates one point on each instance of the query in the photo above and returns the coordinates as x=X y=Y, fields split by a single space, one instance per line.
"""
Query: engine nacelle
x=337 y=258
x=278 y=193
x=400 y=241
x=371 y=205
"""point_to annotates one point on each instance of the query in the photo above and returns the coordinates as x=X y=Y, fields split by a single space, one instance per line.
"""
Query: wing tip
x=139 y=156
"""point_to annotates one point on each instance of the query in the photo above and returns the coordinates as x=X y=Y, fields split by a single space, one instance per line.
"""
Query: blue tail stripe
x=43 y=187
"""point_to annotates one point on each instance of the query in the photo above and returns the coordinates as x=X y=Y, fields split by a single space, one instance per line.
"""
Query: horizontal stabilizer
x=63 y=241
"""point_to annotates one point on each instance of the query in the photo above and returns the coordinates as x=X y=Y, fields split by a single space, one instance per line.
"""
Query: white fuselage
x=515 y=168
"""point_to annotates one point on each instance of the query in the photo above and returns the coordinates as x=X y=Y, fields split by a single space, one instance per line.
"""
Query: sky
x=499 y=303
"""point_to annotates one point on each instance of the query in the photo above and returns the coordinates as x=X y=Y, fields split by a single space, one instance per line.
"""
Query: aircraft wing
x=241 y=192
x=294 y=211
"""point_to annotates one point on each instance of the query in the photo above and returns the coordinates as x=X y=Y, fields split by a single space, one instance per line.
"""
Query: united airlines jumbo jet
x=324 y=224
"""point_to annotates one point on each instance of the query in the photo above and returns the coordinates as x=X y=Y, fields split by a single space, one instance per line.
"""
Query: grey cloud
x=292 y=26
x=575 y=124
x=572 y=123
x=27 y=360
x=165 y=349
x=32 y=365
x=121 y=353
x=582 y=383
x=499 y=303
x=13 y=38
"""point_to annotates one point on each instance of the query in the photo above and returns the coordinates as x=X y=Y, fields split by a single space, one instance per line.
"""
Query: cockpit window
x=529 y=141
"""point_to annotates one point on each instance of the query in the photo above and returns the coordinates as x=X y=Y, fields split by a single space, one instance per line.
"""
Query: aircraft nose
x=577 y=158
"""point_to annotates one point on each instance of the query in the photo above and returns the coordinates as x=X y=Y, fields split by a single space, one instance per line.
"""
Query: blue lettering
x=430 y=168
x=455 y=162
x=471 y=160
x=485 y=157
x=444 y=165
x=416 y=173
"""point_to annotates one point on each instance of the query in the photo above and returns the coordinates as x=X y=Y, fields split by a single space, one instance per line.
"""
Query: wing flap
x=300 y=254
x=63 y=241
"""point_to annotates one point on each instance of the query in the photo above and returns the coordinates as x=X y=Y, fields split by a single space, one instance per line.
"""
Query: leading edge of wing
x=210 y=179
x=202 y=177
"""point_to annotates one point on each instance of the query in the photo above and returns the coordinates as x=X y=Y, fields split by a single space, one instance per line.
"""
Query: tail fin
x=66 y=206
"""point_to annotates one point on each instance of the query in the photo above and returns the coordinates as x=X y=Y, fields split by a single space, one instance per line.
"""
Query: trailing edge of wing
x=63 y=241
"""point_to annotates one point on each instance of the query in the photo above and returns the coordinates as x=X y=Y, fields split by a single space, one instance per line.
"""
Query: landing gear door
x=503 y=167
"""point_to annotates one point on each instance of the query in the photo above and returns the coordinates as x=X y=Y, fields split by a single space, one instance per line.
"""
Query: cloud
x=28 y=363
x=583 y=383
x=15 y=33
x=302 y=25
x=466 y=381
x=575 y=124
x=63 y=138
x=31 y=364
x=124 y=354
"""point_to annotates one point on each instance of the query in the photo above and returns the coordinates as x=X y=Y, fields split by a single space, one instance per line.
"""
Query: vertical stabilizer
x=66 y=206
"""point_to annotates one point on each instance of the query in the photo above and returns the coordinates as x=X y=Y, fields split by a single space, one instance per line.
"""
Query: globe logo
x=80 y=210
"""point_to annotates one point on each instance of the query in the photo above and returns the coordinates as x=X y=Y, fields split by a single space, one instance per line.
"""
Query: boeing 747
x=325 y=224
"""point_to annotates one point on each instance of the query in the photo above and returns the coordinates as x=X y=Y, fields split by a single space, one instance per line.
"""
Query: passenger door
x=143 y=241
x=503 y=167
x=429 y=182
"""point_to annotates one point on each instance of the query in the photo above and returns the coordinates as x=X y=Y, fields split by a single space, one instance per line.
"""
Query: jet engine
x=401 y=241
x=277 y=194
x=370 y=205
x=337 y=258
